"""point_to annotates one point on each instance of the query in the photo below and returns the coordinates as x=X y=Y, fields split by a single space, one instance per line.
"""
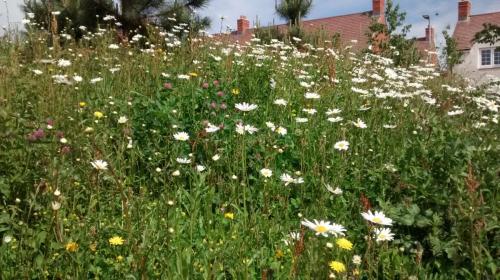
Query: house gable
x=480 y=62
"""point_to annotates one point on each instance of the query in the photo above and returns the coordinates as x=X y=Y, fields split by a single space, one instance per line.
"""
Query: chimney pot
x=379 y=9
x=429 y=34
x=464 y=10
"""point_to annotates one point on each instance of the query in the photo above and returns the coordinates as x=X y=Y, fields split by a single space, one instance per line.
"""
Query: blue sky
x=263 y=10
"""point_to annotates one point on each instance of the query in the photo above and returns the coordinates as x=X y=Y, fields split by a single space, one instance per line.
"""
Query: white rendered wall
x=470 y=67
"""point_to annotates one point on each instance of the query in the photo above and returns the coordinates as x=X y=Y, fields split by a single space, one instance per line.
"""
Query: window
x=485 y=57
x=497 y=57
x=489 y=57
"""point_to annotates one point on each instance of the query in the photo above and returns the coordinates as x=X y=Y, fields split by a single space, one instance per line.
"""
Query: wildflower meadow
x=161 y=158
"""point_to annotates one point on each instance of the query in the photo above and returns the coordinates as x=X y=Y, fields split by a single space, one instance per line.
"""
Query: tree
x=489 y=35
x=451 y=55
x=132 y=14
x=79 y=13
x=386 y=39
x=183 y=12
x=294 y=10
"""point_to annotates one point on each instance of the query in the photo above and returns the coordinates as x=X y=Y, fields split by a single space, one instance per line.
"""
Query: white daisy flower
x=378 y=218
x=99 y=164
x=95 y=80
x=271 y=125
x=359 y=123
x=310 y=111
x=63 y=63
x=356 y=260
x=281 y=131
x=122 y=120
x=211 y=128
x=383 y=234
x=336 y=191
x=251 y=129
x=181 y=136
x=456 y=112
x=245 y=107
x=335 y=119
x=341 y=145
x=286 y=178
x=183 y=77
x=200 y=168
x=241 y=129
x=298 y=181
x=312 y=95
x=324 y=227
x=183 y=160
x=266 y=172
x=280 y=102
x=330 y=112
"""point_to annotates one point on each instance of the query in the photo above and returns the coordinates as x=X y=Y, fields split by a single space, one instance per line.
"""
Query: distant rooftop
x=466 y=29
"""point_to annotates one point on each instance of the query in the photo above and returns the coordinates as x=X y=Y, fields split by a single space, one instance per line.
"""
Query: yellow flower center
x=321 y=229
x=377 y=220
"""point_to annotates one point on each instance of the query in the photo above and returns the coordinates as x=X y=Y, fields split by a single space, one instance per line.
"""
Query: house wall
x=470 y=66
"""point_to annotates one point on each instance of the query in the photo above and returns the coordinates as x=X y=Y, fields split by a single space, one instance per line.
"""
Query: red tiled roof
x=350 y=27
x=465 y=30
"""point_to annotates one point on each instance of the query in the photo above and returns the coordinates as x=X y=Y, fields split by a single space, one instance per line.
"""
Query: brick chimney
x=243 y=24
x=464 y=10
x=429 y=34
x=379 y=8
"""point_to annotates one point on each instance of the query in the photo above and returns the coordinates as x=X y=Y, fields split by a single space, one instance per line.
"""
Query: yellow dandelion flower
x=93 y=247
x=279 y=254
x=337 y=266
x=344 y=244
x=71 y=246
x=119 y=258
x=116 y=240
x=82 y=104
x=229 y=215
x=193 y=74
x=235 y=91
x=98 y=114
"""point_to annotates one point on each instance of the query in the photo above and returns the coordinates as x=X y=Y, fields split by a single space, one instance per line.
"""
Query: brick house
x=480 y=62
x=351 y=28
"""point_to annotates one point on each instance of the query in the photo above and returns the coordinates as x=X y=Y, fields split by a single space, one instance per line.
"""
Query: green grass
x=435 y=175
